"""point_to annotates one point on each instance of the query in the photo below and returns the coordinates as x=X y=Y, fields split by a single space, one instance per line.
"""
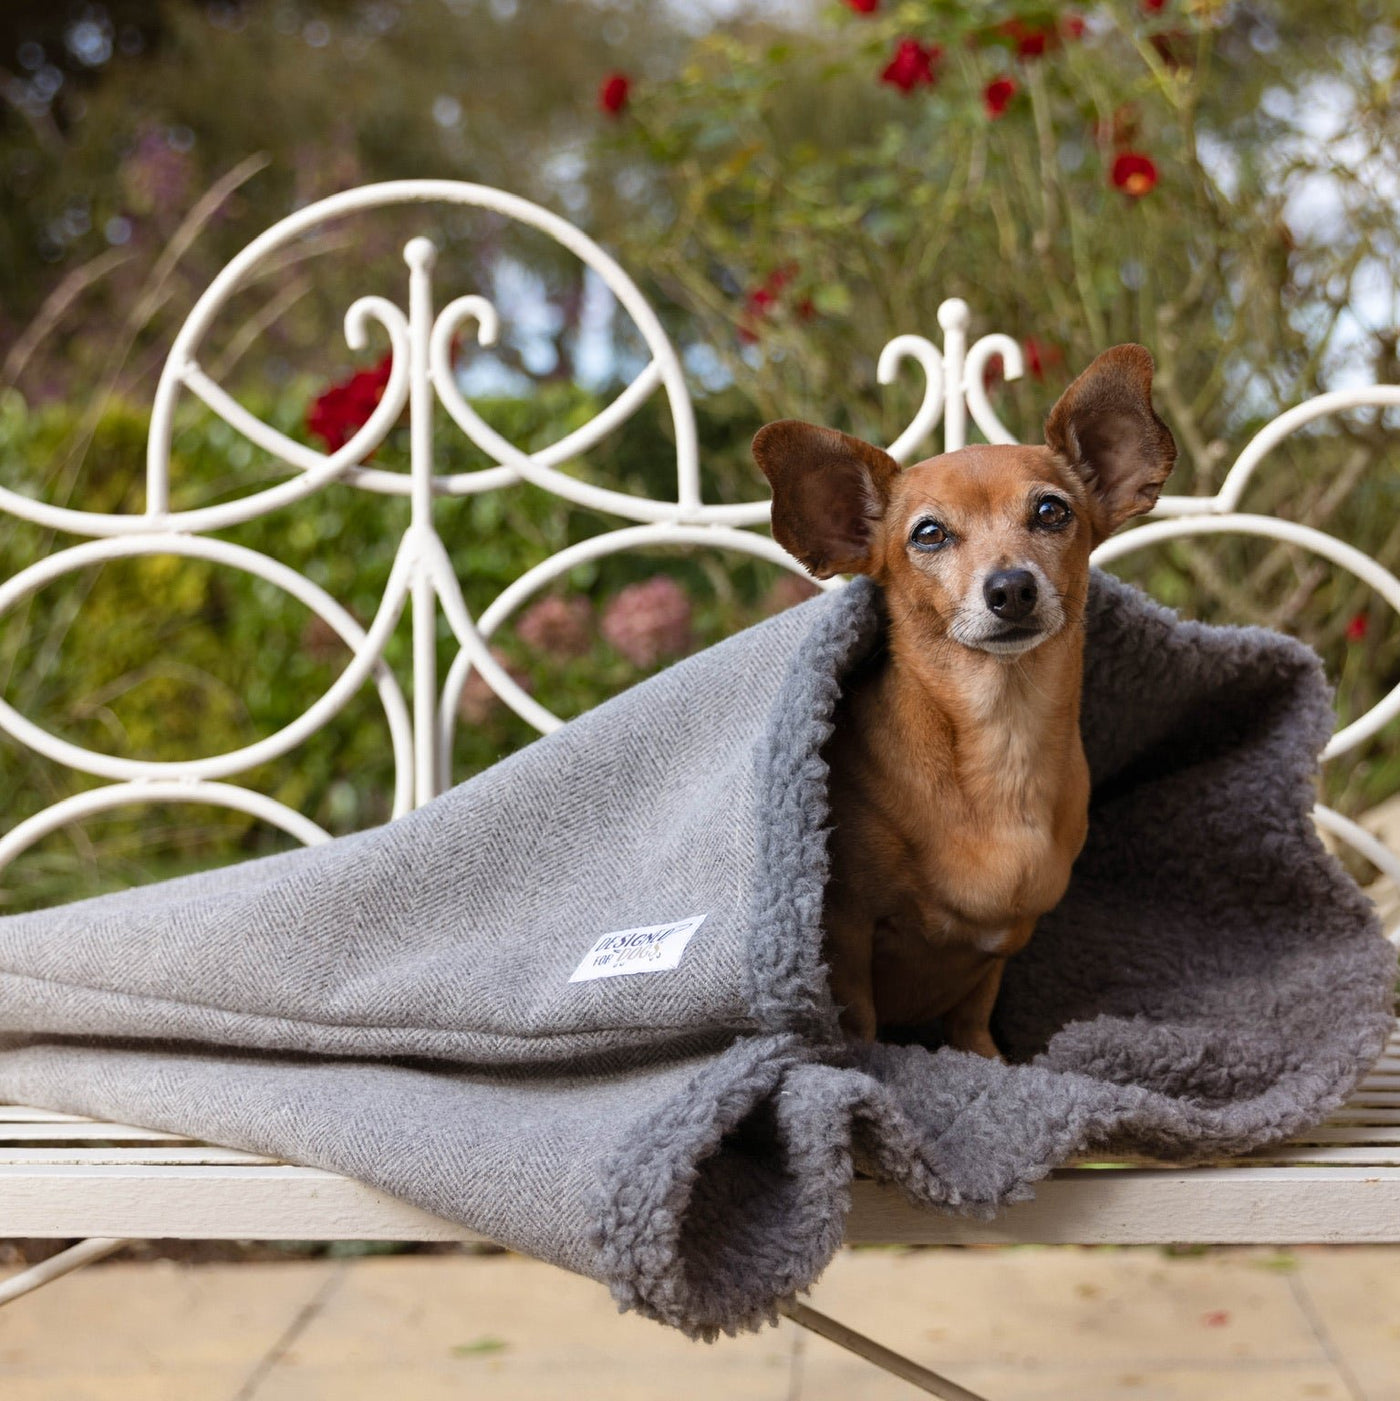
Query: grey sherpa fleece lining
x=397 y=1005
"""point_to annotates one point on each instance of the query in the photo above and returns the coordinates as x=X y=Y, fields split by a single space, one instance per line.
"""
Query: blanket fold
x=577 y=1003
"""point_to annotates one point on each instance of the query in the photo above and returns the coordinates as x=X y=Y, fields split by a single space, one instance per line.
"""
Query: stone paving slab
x=846 y=1381
x=1022 y=1324
x=1356 y=1296
x=507 y=1328
x=152 y=1331
x=1032 y=1307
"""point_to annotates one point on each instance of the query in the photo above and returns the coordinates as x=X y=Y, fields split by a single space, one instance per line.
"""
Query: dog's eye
x=928 y=535
x=1051 y=513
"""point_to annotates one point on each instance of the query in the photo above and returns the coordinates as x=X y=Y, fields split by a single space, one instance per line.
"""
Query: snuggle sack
x=578 y=1002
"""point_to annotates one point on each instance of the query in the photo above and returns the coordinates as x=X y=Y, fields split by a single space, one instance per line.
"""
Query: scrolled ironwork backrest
x=421 y=381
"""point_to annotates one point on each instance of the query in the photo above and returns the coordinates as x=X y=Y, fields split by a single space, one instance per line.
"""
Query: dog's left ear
x=1105 y=428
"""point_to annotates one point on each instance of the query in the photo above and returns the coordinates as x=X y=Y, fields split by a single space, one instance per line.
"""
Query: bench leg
x=56 y=1266
x=882 y=1357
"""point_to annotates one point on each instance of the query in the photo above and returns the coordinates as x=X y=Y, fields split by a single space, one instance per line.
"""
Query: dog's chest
x=984 y=858
x=960 y=836
x=992 y=873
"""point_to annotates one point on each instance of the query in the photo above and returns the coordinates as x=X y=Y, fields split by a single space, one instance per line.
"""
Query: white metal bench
x=63 y=1177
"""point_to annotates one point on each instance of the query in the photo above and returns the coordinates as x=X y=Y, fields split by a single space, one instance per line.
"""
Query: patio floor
x=1026 y=1324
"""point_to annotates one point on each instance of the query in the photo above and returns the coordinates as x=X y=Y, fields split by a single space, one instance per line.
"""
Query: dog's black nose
x=1011 y=593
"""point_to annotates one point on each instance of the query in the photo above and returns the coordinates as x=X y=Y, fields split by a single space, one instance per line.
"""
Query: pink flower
x=864 y=7
x=557 y=626
x=1072 y=26
x=913 y=63
x=1134 y=173
x=787 y=591
x=321 y=642
x=613 y=94
x=649 y=621
x=478 y=700
x=156 y=177
x=997 y=95
x=1357 y=628
x=339 y=412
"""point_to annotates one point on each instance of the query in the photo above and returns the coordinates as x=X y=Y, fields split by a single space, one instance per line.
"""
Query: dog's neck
x=1003 y=730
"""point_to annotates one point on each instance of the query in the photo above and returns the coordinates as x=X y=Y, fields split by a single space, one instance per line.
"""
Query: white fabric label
x=654 y=949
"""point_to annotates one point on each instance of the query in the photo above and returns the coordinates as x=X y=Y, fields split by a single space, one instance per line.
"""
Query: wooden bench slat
x=207 y=1202
x=1338 y=1182
x=1351 y=1133
x=1272 y=1205
x=128 y=1155
x=1379 y=1154
x=23 y=1114
x=1240 y=1205
x=82 y=1129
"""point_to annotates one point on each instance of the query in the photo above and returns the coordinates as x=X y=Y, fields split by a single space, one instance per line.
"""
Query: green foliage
x=167 y=658
x=480 y=1347
x=319 y=95
x=1242 y=268
x=801 y=212
x=787 y=212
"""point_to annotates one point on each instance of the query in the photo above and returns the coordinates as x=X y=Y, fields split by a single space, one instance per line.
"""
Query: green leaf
x=480 y=1347
x=832 y=299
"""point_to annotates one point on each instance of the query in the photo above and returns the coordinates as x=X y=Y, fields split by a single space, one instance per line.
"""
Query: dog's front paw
x=858 y=1020
x=978 y=1041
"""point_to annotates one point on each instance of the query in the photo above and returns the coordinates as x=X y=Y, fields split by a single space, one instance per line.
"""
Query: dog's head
x=988 y=546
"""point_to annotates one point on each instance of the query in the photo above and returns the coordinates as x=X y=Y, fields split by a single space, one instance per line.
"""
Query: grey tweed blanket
x=578 y=1004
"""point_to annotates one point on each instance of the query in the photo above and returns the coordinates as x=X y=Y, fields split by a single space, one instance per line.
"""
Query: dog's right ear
x=829 y=492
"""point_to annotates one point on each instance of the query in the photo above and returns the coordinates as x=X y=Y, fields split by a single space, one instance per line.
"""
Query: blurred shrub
x=1210 y=179
x=167 y=658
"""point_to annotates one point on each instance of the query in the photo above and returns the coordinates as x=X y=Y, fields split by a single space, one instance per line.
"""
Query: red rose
x=338 y=413
x=1072 y=26
x=763 y=300
x=1134 y=174
x=1040 y=355
x=864 y=7
x=1031 y=40
x=913 y=63
x=997 y=95
x=612 y=96
x=780 y=277
x=1357 y=627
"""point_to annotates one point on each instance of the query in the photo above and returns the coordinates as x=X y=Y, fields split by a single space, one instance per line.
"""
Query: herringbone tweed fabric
x=397 y=1005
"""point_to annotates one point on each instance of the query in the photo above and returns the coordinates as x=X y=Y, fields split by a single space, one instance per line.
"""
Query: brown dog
x=959 y=788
